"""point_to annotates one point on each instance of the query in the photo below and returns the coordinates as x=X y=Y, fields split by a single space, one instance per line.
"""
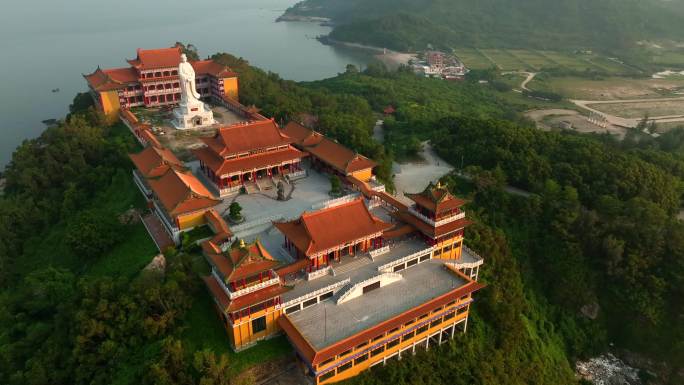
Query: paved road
x=629 y=122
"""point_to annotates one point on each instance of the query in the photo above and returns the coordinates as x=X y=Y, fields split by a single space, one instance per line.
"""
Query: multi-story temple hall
x=152 y=79
x=355 y=277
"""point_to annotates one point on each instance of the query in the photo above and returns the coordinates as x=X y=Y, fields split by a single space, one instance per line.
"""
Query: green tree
x=235 y=212
x=90 y=234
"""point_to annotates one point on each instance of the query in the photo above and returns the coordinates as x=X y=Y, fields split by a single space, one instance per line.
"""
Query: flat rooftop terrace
x=326 y=323
x=357 y=268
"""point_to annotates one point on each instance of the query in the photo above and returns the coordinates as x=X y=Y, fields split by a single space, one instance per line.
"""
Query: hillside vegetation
x=408 y=25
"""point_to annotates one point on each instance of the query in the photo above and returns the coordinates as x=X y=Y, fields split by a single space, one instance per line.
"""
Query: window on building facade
x=425 y=257
x=259 y=324
x=438 y=252
x=326 y=295
x=327 y=376
x=371 y=287
x=345 y=353
x=411 y=322
x=449 y=316
x=377 y=351
x=361 y=345
x=412 y=262
x=310 y=302
x=392 y=343
x=344 y=367
x=326 y=362
x=422 y=329
x=360 y=359
x=398 y=268
x=435 y=322
x=293 y=309
x=407 y=336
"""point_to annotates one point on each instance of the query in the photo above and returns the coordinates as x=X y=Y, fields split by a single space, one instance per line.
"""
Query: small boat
x=55 y=90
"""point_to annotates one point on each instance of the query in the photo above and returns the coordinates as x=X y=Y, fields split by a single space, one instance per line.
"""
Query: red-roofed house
x=152 y=80
x=246 y=151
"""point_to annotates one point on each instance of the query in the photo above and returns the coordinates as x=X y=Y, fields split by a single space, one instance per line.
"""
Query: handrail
x=388 y=266
x=315 y=293
x=377 y=252
x=370 y=280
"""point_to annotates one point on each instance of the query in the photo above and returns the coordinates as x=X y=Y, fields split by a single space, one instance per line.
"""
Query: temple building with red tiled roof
x=246 y=290
x=328 y=155
x=177 y=197
x=327 y=235
x=152 y=80
x=246 y=152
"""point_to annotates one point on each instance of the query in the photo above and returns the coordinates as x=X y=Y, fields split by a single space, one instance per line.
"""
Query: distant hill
x=542 y=24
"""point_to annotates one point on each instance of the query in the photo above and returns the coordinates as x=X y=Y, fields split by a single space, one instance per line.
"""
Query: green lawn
x=129 y=256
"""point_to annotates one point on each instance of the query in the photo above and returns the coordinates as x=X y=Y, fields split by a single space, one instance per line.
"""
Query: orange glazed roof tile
x=111 y=79
x=217 y=292
x=327 y=228
x=240 y=260
x=257 y=297
x=153 y=161
x=436 y=198
x=181 y=192
x=244 y=137
x=217 y=223
x=334 y=154
x=156 y=58
x=213 y=68
x=221 y=166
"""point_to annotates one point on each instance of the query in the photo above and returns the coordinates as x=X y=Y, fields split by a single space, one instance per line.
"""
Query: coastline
x=392 y=59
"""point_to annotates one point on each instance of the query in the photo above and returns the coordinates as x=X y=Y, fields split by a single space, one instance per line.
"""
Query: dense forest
x=409 y=25
x=598 y=228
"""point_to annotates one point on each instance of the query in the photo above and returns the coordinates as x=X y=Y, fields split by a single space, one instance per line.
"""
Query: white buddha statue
x=186 y=74
x=191 y=111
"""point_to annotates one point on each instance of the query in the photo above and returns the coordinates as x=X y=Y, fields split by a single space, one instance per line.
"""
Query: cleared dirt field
x=637 y=110
x=610 y=88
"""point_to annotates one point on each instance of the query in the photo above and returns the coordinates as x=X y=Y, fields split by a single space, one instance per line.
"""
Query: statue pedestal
x=191 y=115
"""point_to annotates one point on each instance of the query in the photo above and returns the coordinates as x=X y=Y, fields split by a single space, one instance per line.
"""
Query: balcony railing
x=441 y=222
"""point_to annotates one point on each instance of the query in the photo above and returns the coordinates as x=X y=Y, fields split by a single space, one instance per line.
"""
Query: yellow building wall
x=188 y=221
x=363 y=175
x=241 y=334
x=356 y=369
x=110 y=104
x=455 y=252
x=230 y=88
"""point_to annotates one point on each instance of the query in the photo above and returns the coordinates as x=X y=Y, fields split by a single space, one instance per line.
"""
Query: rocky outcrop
x=607 y=370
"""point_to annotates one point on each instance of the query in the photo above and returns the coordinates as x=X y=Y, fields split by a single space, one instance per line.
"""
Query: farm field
x=473 y=59
x=534 y=60
x=504 y=60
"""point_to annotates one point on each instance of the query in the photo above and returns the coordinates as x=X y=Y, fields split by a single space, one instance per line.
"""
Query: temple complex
x=152 y=80
x=245 y=152
x=328 y=155
x=353 y=280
